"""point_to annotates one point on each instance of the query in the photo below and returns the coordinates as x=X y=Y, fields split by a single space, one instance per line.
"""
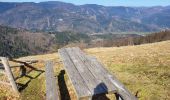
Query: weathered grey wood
x=92 y=73
x=80 y=87
x=96 y=70
x=51 y=85
x=90 y=81
x=122 y=91
x=5 y=83
x=9 y=74
x=87 y=75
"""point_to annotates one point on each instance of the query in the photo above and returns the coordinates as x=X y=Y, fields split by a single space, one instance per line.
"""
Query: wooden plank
x=96 y=70
x=92 y=73
x=80 y=87
x=9 y=74
x=87 y=75
x=51 y=85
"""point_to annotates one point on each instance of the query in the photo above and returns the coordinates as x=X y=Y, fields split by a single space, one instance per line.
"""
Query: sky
x=106 y=2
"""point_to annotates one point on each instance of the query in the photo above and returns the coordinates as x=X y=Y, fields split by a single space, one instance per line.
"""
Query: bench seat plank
x=51 y=83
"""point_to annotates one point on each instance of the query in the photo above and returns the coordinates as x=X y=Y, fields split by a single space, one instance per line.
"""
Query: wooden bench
x=51 y=84
x=89 y=77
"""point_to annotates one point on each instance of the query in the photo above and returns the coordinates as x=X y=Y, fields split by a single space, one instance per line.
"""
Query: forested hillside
x=15 y=43
x=136 y=39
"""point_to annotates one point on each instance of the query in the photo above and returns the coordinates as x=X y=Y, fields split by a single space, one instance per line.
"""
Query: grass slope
x=143 y=68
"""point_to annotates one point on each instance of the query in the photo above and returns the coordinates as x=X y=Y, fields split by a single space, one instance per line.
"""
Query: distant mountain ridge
x=89 y=18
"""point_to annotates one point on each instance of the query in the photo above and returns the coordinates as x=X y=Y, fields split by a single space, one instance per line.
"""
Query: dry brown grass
x=144 y=68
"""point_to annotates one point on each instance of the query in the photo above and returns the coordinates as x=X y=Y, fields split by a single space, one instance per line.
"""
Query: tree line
x=137 y=40
x=17 y=43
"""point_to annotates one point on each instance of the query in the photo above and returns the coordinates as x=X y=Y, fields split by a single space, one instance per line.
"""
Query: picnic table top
x=88 y=75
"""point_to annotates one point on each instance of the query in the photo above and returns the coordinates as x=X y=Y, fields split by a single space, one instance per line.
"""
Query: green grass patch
x=35 y=90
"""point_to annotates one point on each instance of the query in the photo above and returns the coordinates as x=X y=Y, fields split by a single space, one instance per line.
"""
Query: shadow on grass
x=24 y=73
x=21 y=86
x=64 y=93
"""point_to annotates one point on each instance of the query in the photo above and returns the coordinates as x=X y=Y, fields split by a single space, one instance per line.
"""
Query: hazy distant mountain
x=90 y=18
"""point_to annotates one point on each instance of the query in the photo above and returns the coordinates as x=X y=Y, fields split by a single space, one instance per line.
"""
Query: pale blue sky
x=106 y=2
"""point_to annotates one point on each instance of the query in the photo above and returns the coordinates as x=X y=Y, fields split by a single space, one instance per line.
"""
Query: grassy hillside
x=143 y=68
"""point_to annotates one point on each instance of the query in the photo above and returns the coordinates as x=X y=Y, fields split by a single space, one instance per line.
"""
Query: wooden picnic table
x=89 y=77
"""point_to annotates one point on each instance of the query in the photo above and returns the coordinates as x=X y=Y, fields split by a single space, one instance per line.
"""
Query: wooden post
x=9 y=74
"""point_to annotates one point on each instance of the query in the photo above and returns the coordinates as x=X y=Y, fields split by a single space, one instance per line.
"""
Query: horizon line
x=82 y=4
